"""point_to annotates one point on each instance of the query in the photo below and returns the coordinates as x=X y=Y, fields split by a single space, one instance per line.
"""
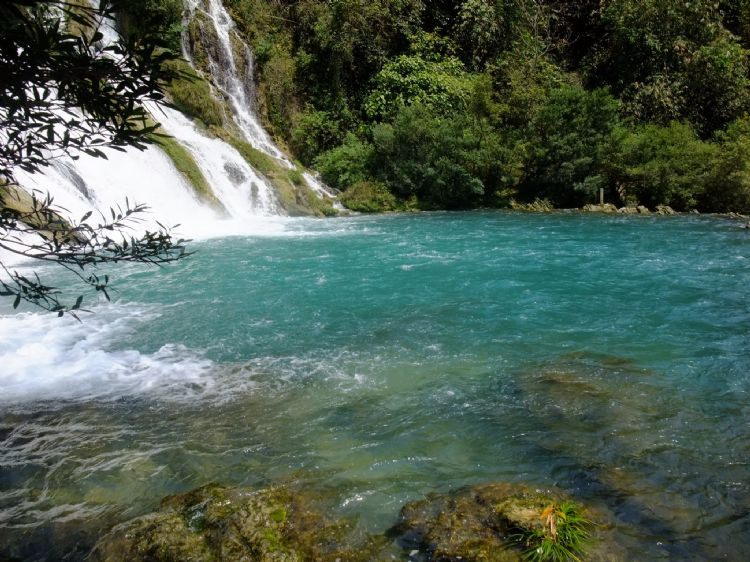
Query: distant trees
x=63 y=93
x=641 y=97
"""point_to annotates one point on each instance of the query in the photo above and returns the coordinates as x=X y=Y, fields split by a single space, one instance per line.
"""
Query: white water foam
x=47 y=358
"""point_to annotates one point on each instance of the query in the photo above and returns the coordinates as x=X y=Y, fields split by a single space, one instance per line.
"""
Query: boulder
x=628 y=210
x=665 y=210
x=219 y=523
x=606 y=208
x=643 y=210
x=487 y=523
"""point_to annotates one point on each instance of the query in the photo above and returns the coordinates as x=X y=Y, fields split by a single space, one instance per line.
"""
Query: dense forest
x=420 y=104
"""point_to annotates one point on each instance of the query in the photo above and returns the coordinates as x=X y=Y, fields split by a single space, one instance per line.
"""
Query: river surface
x=383 y=358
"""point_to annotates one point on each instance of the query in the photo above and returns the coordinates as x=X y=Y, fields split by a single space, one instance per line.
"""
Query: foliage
x=314 y=133
x=425 y=155
x=443 y=86
x=63 y=93
x=531 y=98
x=728 y=184
x=31 y=226
x=368 y=197
x=51 y=76
x=138 y=18
x=672 y=60
x=568 y=140
x=347 y=164
x=564 y=536
x=663 y=165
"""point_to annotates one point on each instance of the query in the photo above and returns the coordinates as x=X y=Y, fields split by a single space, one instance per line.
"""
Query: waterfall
x=250 y=203
x=230 y=64
x=231 y=74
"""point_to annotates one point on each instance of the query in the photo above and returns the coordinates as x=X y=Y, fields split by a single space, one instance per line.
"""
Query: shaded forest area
x=451 y=105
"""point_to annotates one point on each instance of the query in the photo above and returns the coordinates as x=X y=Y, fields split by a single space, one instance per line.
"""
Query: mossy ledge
x=493 y=523
x=294 y=195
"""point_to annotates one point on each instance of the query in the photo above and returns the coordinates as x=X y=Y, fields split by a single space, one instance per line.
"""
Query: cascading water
x=230 y=64
x=229 y=74
x=249 y=200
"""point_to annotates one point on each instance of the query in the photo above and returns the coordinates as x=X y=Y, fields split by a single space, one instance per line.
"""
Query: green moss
x=192 y=94
x=295 y=176
x=186 y=165
x=265 y=164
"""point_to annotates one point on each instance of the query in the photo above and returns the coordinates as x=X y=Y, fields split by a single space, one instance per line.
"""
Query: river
x=382 y=358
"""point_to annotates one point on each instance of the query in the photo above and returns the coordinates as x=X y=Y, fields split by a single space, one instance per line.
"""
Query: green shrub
x=314 y=133
x=664 y=165
x=368 y=197
x=728 y=184
x=345 y=165
x=568 y=140
x=443 y=86
x=161 y=17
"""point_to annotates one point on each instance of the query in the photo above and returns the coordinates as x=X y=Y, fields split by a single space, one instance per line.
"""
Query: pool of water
x=382 y=358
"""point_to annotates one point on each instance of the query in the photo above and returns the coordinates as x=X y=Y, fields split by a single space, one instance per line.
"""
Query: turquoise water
x=382 y=358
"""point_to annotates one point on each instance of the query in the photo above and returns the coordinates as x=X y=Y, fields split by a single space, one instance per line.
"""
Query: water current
x=383 y=358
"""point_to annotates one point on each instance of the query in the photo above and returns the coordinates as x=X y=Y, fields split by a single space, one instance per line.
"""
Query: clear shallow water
x=382 y=358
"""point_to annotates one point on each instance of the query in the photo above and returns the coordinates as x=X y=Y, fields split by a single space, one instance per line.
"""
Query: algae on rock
x=485 y=523
x=220 y=523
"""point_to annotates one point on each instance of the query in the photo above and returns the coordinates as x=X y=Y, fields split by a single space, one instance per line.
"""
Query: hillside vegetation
x=450 y=105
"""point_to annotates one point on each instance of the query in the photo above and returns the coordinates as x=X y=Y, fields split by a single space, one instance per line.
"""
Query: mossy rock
x=482 y=523
x=536 y=206
x=220 y=523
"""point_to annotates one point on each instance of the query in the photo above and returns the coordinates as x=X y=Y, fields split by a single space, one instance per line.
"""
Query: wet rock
x=220 y=523
x=482 y=523
x=537 y=206
x=606 y=208
x=665 y=210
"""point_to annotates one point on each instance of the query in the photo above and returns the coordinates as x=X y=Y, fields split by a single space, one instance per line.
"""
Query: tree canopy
x=572 y=87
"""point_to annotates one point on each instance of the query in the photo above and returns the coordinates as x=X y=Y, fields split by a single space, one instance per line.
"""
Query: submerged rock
x=483 y=523
x=219 y=523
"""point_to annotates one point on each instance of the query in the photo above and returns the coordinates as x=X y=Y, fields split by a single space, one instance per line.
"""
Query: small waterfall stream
x=231 y=75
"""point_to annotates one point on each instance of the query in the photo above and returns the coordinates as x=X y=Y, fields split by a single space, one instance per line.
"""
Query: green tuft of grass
x=564 y=537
